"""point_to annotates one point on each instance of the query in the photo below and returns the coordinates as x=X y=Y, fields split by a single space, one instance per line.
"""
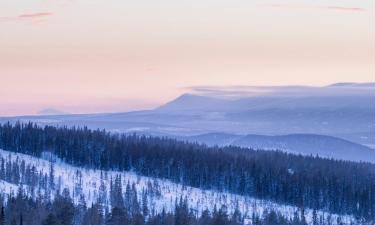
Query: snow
x=8 y=188
x=71 y=177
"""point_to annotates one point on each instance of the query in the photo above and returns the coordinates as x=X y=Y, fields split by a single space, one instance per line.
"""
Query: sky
x=85 y=56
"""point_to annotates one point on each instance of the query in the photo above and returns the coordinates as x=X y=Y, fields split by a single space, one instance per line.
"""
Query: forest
x=340 y=187
x=21 y=210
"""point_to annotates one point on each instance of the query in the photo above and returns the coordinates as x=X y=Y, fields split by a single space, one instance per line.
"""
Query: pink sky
x=118 y=55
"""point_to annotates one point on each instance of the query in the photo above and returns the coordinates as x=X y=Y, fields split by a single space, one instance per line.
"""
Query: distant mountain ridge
x=343 y=110
x=304 y=144
x=190 y=102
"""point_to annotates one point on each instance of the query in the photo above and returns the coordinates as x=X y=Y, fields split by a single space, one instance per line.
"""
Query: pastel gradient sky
x=86 y=56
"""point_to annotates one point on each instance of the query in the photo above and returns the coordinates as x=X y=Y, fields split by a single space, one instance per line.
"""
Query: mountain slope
x=305 y=144
x=190 y=102
x=92 y=185
x=309 y=144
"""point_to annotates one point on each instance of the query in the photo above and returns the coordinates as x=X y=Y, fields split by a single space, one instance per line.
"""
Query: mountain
x=310 y=144
x=190 y=102
x=344 y=110
x=305 y=144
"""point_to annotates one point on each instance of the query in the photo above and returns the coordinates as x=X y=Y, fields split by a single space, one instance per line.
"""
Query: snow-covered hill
x=91 y=185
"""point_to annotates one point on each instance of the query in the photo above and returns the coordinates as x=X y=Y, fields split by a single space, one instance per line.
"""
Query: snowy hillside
x=91 y=185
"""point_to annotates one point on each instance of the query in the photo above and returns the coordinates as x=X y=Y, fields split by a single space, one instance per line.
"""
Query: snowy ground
x=89 y=181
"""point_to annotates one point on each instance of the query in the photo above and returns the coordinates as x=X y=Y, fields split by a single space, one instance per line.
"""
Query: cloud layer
x=237 y=92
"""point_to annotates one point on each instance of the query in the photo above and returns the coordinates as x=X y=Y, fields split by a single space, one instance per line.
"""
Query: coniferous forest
x=61 y=211
x=303 y=181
